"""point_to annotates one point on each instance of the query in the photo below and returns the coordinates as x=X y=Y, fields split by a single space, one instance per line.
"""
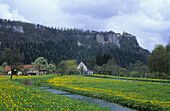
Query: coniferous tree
x=168 y=59
x=91 y=61
x=99 y=59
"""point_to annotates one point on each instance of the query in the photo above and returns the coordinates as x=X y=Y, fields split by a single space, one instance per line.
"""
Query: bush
x=135 y=74
x=1 y=69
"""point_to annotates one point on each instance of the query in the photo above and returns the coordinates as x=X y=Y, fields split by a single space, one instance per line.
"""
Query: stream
x=103 y=103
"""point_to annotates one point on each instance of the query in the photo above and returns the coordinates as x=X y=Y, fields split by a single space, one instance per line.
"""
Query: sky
x=148 y=20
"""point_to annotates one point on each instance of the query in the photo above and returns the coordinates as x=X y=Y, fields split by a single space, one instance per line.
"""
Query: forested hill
x=34 y=40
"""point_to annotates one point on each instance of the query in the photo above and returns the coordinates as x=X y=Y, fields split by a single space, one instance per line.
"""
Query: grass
x=19 y=97
x=146 y=96
x=132 y=78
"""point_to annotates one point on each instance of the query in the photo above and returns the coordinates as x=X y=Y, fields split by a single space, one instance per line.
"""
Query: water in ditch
x=111 y=106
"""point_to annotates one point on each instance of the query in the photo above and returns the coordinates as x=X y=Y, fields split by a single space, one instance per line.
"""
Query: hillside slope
x=34 y=40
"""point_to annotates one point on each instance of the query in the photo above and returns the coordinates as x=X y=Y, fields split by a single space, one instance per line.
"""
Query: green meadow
x=137 y=95
x=15 y=96
x=144 y=96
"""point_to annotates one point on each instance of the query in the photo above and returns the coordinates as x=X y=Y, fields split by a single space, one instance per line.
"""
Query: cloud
x=98 y=9
x=149 y=32
x=148 y=20
x=14 y=15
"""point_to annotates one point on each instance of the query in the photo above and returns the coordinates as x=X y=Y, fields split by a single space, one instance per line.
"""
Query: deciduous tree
x=71 y=66
x=40 y=62
x=157 y=59
x=13 y=57
x=51 y=68
x=67 y=67
x=62 y=67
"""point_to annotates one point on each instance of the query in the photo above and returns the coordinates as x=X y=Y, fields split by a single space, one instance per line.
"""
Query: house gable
x=82 y=65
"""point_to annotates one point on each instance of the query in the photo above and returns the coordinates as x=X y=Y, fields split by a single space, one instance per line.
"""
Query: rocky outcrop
x=100 y=38
x=108 y=38
x=85 y=45
x=19 y=29
x=78 y=43
x=112 y=38
x=127 y=34
x=120 y=40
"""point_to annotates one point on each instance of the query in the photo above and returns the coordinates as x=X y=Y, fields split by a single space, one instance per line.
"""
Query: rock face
x=78 y=43
x=19 y=29
x=119 y=40
x=108 y=38
x=100 y=38
x=112 y=38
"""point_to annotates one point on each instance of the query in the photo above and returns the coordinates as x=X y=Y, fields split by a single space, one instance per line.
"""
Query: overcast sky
x=148 y=20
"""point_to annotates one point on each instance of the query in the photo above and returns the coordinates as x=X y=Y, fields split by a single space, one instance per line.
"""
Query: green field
x=132 y=78
x=15 y=96
x=138 y=95
x=145 y=96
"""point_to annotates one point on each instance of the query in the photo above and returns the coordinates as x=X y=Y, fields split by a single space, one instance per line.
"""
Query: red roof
x=7 y=68
x=28 y=66
x=25 y=67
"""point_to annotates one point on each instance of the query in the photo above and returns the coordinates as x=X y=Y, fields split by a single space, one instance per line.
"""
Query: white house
x=83 y=66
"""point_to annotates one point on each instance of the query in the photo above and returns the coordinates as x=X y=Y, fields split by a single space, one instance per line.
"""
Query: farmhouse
x=29 y=69
x=8 y=71
x=25 y=69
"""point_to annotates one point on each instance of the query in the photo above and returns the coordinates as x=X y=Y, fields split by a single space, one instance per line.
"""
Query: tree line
x=157 y=66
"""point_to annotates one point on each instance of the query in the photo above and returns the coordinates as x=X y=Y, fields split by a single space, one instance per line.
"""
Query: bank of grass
x=20 y=97
x=145 y=96
x=132 y=78
x=20 y=77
